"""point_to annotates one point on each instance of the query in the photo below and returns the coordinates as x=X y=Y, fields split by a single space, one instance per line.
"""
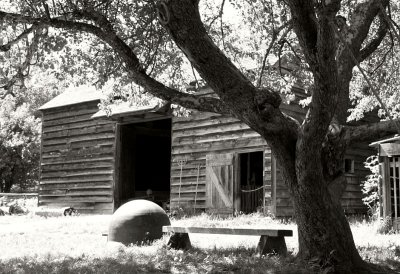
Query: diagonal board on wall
x=220 y=182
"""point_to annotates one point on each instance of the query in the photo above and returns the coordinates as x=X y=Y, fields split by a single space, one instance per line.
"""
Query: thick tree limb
x=360 y=23
x=306 y=27
x=373 y=45
x=259 y=108
x=369 y=132
x=354 y=35
x=138 y=73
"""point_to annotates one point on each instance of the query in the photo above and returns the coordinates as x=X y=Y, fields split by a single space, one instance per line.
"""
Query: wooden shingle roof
x=73 y=96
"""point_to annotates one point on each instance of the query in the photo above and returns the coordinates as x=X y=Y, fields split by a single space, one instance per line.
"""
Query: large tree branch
x=253 y=106
x=360 y=23
x=305 y=25
x=369 y=132
x=353 y=36
x=132 y=62
x=325 y=93
x=373 y=45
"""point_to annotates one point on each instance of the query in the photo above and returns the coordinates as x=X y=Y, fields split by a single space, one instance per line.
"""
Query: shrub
x=370 y=187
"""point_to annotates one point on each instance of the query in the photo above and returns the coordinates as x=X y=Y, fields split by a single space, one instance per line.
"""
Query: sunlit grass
x=32 y=244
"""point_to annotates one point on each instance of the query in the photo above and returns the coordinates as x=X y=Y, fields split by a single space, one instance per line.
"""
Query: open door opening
x=144 y=159
x=251 y=180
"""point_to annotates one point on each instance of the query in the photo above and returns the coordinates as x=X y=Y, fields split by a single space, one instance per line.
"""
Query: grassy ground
x=31 y=244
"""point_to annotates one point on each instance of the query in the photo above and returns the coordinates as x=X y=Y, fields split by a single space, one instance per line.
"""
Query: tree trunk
x=325 y=237
x=329 y=240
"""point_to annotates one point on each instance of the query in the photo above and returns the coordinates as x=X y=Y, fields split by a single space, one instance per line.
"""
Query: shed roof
x=386 y=140
x=125 y=109
x=73 y=96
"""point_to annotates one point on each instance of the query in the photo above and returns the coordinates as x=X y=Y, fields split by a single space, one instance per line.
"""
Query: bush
x=370 y=187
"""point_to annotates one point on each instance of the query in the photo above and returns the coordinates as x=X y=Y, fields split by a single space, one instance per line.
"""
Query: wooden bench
x=271 y=240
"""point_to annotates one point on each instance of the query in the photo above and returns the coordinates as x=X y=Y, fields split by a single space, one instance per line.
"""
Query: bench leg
x=272 y=245
x=179 y=241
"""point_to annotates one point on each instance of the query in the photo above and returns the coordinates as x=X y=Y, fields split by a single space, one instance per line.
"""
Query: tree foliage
x=19 y=145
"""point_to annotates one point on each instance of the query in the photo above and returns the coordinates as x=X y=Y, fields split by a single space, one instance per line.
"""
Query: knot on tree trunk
x=163 y=13
x=266 y=99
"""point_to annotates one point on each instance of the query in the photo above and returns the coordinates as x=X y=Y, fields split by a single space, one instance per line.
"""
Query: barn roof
x=74 y=96
x=125 y=109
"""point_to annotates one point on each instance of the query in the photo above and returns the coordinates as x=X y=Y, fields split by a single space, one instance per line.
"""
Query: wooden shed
x=96 y=164
x=206 y=161
x=389 y=187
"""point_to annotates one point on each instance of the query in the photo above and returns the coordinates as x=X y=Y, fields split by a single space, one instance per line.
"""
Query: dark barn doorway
x=251 y=179
x=144 y=159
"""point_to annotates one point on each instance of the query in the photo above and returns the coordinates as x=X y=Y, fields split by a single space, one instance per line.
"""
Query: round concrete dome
x=137 y=222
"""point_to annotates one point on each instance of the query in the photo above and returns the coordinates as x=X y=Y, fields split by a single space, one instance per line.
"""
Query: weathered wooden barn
x=206 y=161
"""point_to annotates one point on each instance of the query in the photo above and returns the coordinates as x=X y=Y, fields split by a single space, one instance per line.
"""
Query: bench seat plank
x=232 y=231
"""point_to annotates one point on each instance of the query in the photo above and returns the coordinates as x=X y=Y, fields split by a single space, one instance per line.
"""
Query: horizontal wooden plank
x=88 y=111
x=65 y=174
x=74 y=193
x=78 y=179
x=202 y=123
x=71 y=200
x=80 y=185
x=77 y=161
x=94 y=153
x=81 y=152
x=76 y=134
x=219 y=145
x=197 y=116
x=66 y=121
x=210 y=130
x=184 y=190
x=76 y=205
x=228 y=230
x=189 y=199
x=186 y=181
x=72 y=166
x=226 y=136
x=75 y=125
x=93 y=140
x=87 y=166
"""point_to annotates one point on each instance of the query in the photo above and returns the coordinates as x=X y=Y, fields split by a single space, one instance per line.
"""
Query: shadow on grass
x=162 y=260
x=77 y=265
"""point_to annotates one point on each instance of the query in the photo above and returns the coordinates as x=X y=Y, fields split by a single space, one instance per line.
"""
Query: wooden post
x=179 y=241
x=273 y=182
x=395 y=187
x=268 y=245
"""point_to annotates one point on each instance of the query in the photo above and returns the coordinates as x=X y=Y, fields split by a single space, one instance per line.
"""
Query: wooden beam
x=230 y=231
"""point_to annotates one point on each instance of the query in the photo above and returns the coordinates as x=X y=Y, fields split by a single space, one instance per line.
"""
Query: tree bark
x=324 y=232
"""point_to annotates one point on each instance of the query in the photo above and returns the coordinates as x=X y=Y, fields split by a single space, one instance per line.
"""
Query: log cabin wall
x=77 y=162
x=352 y=197
x=202 y=134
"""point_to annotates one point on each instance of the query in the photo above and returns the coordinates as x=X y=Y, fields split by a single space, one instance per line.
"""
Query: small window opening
x=348 y=165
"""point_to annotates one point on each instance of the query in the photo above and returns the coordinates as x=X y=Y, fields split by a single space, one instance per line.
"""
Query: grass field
x=31 y=244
